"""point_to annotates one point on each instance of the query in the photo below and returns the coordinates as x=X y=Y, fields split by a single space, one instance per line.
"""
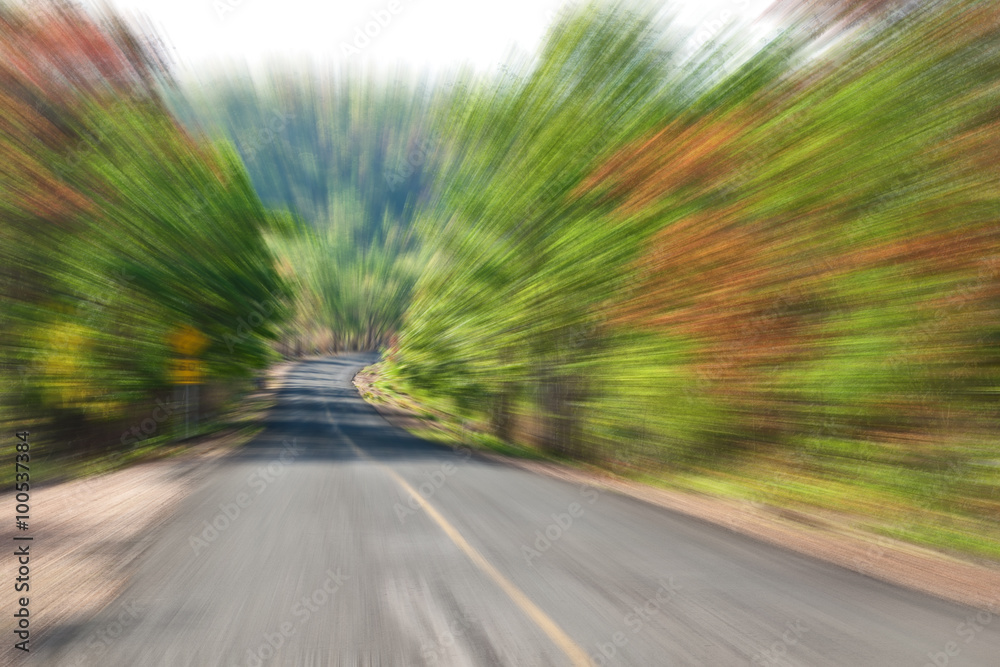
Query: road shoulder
x=92 y=531
x=893 y=561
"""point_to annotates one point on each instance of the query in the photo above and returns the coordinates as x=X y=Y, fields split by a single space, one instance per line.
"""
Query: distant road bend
x=349 y=542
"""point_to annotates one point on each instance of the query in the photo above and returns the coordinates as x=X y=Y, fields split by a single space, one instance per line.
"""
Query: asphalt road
x=321 y=554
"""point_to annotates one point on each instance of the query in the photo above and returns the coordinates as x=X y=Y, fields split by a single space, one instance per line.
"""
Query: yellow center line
x=576 y=654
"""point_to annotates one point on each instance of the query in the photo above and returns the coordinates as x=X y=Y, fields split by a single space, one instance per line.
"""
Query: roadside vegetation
x=768 y=269
x=763 y=264
x=119 y=229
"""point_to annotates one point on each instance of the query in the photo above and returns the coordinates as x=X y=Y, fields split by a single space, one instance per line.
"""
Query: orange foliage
x=52 y=59
x=677 y=157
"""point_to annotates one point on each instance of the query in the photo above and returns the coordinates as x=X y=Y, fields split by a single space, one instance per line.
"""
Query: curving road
x=336 y=539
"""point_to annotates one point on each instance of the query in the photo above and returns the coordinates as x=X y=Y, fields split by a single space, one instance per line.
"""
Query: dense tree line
x=353 y=155
x=120 y=228
x=769 y=261
x=772 y=255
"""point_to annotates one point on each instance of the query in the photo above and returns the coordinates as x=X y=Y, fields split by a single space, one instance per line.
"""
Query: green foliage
x=779 y=257
x=349 y=154
x=118 y=229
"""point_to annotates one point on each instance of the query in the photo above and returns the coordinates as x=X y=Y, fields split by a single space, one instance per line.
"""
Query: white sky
x=423 y=33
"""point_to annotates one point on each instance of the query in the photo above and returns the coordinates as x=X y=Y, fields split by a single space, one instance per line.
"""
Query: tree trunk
x=559 y=430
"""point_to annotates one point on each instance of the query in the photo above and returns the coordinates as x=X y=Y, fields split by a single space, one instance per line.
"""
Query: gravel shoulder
x=88 y=533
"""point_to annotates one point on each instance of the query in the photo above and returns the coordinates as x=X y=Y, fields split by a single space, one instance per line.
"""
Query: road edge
x=892 y=561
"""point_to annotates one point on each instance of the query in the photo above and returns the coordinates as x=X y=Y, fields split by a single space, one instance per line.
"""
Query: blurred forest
x=120 y=229
x=352 y=155
x=766 y=266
